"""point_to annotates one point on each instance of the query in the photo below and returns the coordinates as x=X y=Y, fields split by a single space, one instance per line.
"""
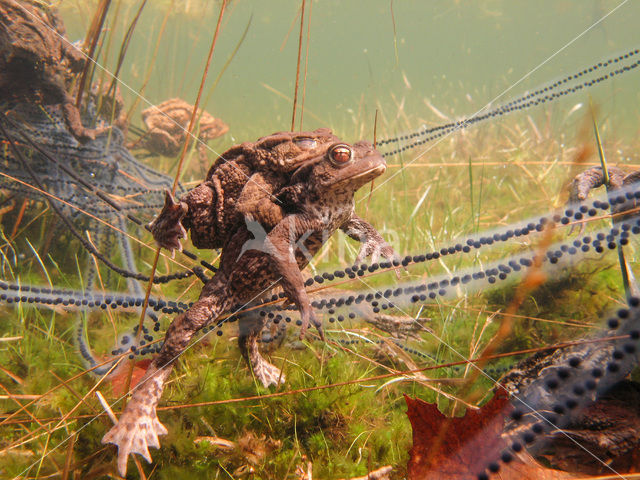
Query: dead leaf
x=462 y=448
x=118 y=379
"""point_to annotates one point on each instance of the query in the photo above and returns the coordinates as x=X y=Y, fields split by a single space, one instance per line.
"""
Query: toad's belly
x=251 y=272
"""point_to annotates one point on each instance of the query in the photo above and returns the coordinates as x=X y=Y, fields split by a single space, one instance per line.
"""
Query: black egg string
x=95 y=158
x=598 y=241
x=543 y=90
x=73 y=299
x=380 y=300
x=579 y=212
x=560 y=254
x=12 y=293
x=93 y=165
x=548 y=92
x=122 y=154
x=574 y=381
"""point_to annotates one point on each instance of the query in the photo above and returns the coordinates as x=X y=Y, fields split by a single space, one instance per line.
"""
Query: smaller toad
x=37 y=62
x=619 y=180
x=167 y=125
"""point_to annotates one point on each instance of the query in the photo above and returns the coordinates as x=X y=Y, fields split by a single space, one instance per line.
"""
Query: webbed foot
x=167 y=228
x=267 y=373
x=137 y=430
x=375 y=248
x=593 y=178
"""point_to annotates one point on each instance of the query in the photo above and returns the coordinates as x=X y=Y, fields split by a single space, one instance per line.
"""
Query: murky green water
x=458 y=55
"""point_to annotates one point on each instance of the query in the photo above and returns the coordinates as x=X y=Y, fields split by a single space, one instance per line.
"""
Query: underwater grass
x=343 y=431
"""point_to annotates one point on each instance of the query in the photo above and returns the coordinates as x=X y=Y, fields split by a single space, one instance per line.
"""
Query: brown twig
x=67 y=461
x=14 y=231
x=295 y=91
x=306 y=64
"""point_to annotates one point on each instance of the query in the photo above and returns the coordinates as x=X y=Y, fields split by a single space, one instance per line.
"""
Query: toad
x=593 y=178
x=320 y=199
x=38 y=62
x=250 y=185
x=251 y=182
x=167 y=128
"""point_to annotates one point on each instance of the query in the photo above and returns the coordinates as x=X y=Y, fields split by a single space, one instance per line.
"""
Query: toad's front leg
x=167 y=228
x=280 y=244
x=372 y=243
x=138 y=427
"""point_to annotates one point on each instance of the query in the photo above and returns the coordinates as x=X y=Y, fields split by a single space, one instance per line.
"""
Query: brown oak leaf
x=462 y=448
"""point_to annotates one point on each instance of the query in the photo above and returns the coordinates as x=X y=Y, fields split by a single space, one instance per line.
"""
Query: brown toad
x=321 y=201
x=253 y=182
x=619 y=180
x=167 y=125
x=593 y=178
x=38 y=62
x=253 y=185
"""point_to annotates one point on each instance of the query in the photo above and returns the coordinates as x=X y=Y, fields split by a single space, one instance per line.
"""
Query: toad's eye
x=340 y=154
x=306 y=143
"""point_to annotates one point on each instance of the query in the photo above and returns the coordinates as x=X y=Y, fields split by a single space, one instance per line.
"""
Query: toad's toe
x=135 y=432
x=268 y=374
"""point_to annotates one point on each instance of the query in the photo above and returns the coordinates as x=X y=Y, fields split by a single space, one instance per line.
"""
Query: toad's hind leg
x=138 y=427
x=250 y=328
